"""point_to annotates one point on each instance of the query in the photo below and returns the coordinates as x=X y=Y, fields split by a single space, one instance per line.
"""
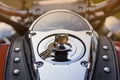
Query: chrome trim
x=73 y=68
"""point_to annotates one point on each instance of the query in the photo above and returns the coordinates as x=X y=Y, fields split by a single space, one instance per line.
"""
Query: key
x=59 y=39
x=47 y=52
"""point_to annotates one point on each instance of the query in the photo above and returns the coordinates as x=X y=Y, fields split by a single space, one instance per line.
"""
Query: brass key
x=47 y=52
x=59 y=39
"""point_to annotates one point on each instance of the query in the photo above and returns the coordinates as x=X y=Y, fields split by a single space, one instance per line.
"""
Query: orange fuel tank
x=3 y=53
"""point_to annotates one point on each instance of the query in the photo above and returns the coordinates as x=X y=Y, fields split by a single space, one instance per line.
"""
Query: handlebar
x=108 y=8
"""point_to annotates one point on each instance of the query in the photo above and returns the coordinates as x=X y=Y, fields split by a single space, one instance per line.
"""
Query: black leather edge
x=111 y=63
x=29 y=57
x=21 y=65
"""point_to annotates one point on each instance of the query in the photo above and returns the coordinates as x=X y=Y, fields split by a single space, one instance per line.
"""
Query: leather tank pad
x=99 y=73
x=16 y=70
x=107 y=64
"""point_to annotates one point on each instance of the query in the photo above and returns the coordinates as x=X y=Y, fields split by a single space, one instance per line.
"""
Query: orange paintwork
x=3 y=51
x=117 y=46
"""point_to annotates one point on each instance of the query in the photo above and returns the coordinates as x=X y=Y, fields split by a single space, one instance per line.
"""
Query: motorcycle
x=62 y=43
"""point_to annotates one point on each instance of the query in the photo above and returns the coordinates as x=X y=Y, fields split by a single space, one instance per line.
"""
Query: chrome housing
x=82 y=45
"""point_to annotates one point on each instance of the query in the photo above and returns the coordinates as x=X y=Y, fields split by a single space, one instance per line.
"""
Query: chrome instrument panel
x=73 y=69
x=80 y=61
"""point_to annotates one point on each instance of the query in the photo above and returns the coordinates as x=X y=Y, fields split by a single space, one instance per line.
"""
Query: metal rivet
x=107 y=69
x=105 y=57
x=16 y=71
x=16 y=59
x=17 y=49
x=105 y=47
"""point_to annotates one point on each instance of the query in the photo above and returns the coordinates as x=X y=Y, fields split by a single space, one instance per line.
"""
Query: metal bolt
x=16 y=59
x=16 y=71
x=31 y=34
x=39 y=64
x=105 y=47
x=89 y=33
x=105 y=57
x=107 y=69
x=84 y=63
x=17 y=49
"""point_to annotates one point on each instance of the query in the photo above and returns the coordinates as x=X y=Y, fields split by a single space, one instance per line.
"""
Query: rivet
x=17 y=49
x=105 y=57
x=16 y=59
x=107 y=69
x=16 y=71
x=105 y=47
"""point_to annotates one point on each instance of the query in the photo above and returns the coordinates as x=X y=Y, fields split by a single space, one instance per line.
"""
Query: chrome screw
x=84 y=63
x=39 y=64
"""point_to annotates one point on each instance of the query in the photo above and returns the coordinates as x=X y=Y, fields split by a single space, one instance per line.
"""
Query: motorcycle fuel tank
x=61 y=44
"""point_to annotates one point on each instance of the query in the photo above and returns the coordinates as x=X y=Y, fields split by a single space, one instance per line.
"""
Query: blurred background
x=18 y=16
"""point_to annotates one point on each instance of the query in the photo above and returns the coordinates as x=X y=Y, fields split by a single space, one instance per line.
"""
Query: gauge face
x=61 y=19
x=76 y=46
